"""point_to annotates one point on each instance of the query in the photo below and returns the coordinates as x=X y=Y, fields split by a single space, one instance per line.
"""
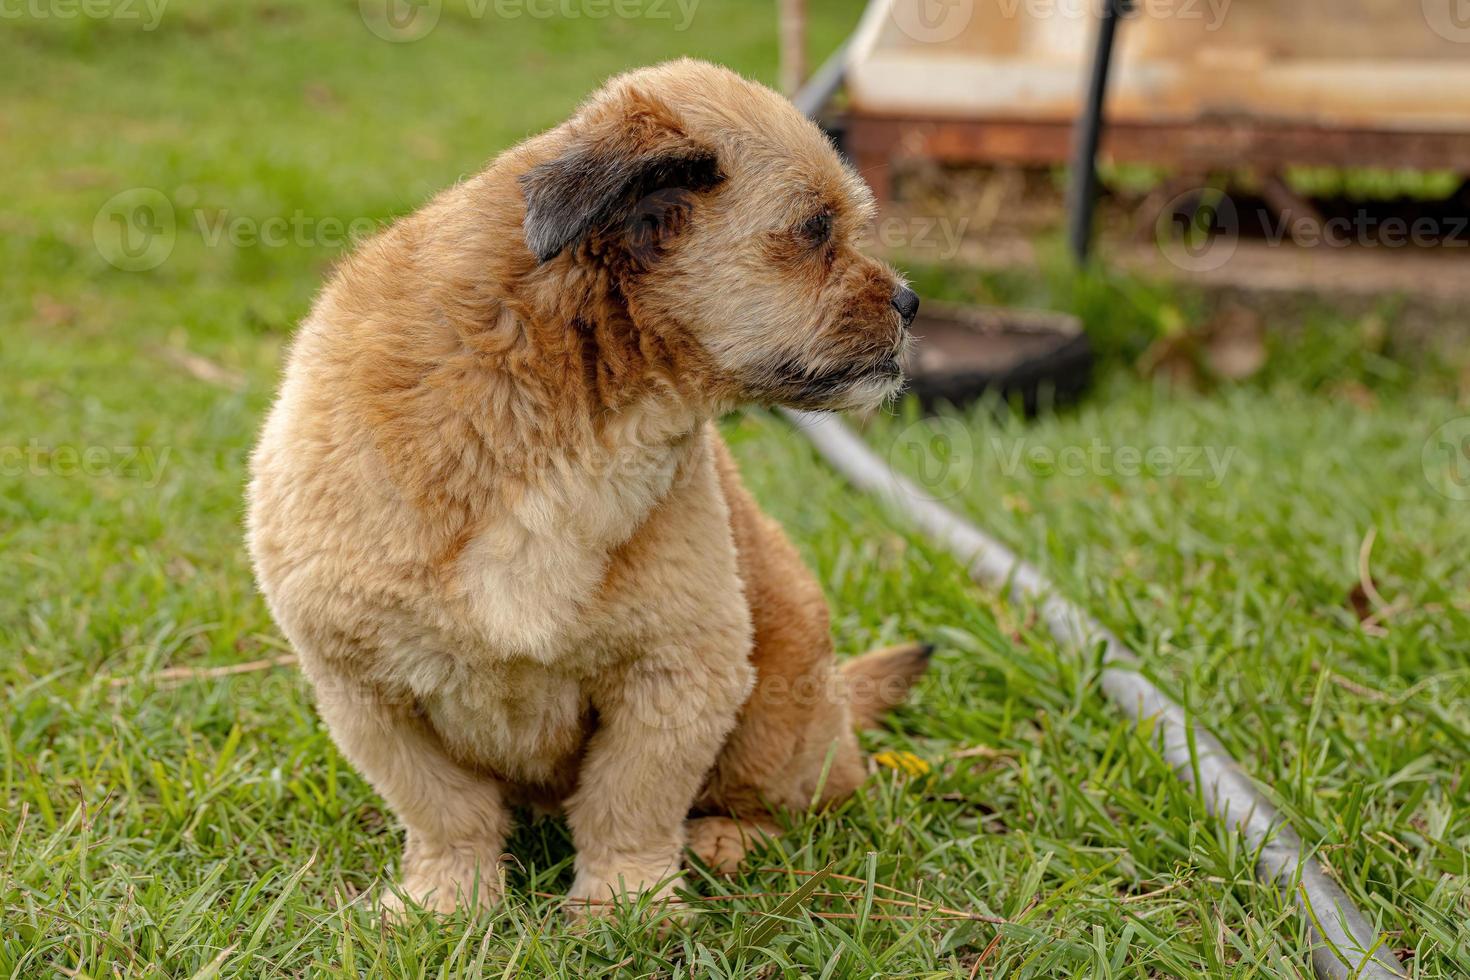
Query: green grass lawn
x=208 y=827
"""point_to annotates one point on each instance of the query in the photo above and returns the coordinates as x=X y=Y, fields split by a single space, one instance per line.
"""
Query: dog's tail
x=880 y=680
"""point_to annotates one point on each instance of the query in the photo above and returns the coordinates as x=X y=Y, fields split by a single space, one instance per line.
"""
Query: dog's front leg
x=456 y=820
x=661 y=723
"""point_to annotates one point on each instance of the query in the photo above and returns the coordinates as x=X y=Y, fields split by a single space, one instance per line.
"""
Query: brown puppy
x=490 y=511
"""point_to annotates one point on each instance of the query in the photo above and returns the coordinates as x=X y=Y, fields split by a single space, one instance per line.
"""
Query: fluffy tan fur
x=491 y=514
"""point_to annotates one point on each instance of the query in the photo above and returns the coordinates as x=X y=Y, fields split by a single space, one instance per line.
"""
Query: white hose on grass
x=1344 y=943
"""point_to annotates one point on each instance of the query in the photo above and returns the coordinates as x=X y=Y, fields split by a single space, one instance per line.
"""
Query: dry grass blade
x=983 y=752
x=994 y=943
x=1365 y=572
x=1166 y=889
x=921 y=907
x=985 y=954
x=181 y=674
x=925 y=910
x=893 y=917
x=203 y=369
x=1366 y=602
x=911 y=896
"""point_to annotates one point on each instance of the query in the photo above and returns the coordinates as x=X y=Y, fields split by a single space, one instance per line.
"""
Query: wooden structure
x=1197 y=84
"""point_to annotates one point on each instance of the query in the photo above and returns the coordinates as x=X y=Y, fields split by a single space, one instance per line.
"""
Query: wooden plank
x=876 y=142
x=1369 y=64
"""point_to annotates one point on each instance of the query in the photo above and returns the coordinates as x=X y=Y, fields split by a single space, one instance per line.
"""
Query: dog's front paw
x=597 y=893
x=443 y=883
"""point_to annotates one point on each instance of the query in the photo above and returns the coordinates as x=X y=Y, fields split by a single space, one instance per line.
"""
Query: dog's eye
x=817 y=229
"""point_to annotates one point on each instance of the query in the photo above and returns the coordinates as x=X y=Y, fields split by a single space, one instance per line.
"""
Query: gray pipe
x=1344 y=943
x=820 y=88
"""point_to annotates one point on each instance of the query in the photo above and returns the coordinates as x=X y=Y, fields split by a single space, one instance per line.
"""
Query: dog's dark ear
x=613 y=165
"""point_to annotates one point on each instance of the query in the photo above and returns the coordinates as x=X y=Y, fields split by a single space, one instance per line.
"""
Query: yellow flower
x=903 y=762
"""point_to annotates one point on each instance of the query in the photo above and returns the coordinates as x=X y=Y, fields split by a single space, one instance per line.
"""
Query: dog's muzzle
x=796 y=383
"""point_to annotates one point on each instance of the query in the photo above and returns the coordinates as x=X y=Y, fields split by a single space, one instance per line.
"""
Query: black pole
x=1082 y=194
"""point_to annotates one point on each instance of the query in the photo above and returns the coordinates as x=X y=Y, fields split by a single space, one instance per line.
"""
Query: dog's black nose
x=906 y=302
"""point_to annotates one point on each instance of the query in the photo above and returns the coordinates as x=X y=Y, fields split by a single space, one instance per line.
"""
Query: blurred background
x=1238 y=432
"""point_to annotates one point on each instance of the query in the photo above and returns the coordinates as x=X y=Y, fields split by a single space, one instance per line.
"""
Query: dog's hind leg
x=721 y=843
x=794 y=745
x=876 y=682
